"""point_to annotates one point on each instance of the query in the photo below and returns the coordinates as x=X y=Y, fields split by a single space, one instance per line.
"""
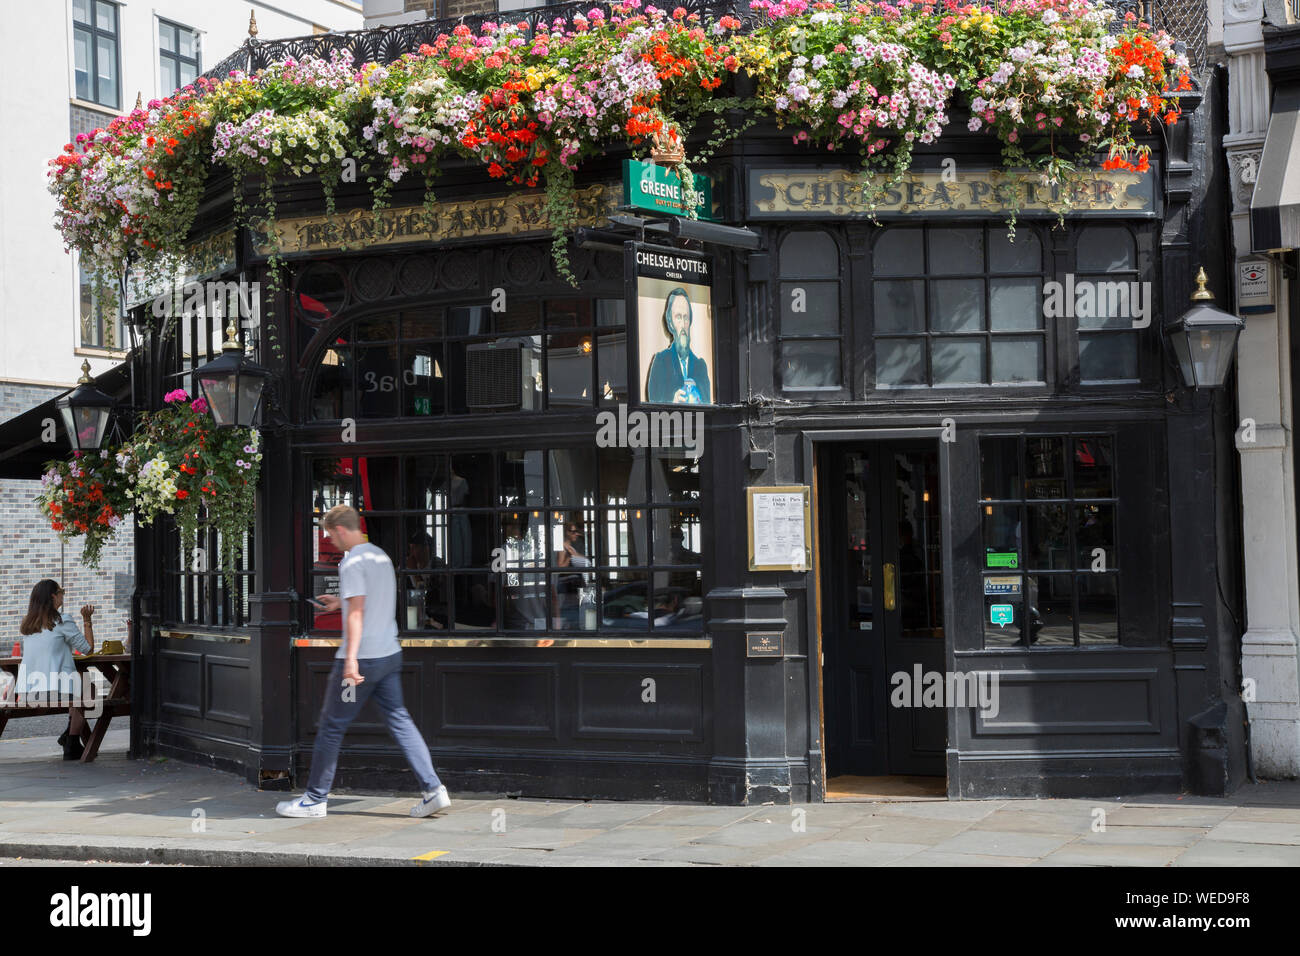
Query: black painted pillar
x=273 y=605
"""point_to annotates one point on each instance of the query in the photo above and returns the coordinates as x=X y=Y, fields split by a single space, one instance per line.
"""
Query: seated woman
x=567 y=587
x=47 y=671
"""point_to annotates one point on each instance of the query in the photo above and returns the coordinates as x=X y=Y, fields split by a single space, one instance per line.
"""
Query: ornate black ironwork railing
x=1185 y=19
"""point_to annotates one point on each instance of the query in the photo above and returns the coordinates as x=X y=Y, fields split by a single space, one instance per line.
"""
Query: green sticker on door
x=1001 y=614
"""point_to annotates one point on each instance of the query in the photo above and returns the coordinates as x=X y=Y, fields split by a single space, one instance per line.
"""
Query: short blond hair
x=342 y=516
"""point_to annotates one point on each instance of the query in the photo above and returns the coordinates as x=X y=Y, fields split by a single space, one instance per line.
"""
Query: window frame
x=1069 y=502
x=190 y=596
x=843 y=337
x=548 y=327
x=94 y=32
x=1150 y=353
x=175 y=55
x=493 y=514
x=101 y=320
x=1048 y=332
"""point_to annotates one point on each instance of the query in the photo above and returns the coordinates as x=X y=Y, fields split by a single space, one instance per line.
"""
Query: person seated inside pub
x=431 y=587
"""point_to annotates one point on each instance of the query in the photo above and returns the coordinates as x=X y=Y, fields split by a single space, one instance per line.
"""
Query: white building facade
x=1266 y=438
x=72 y=66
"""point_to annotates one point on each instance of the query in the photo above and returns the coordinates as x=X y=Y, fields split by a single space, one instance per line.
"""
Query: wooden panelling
x=611 y=701
x=497 y=700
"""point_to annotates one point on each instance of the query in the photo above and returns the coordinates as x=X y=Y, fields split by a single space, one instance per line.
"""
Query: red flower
x=182 y=493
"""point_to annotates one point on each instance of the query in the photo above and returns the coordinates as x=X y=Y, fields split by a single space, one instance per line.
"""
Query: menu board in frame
x=780 y=532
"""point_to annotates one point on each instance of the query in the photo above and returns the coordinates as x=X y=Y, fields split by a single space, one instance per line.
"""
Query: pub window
x=958 y=306
x=535 y=355
x=525 y=541
x=809 y=296
x=197 y=590
x=1050 y=567
x=95 y=51
x=178 y=56
x=1106 y=259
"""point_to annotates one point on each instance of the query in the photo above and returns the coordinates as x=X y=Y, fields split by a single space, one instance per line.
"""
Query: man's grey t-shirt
x=366 y=570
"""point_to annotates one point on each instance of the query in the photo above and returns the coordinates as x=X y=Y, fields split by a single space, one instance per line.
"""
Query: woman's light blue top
x=47 y=660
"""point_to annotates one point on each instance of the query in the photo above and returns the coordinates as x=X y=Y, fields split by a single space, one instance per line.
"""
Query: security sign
x=1254 y=291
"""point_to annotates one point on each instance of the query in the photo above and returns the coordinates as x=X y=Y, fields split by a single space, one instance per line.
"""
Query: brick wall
x=29 y=550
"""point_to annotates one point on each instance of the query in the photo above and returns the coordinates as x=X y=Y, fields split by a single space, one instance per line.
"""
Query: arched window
x=1107 y=299
x=809 y=296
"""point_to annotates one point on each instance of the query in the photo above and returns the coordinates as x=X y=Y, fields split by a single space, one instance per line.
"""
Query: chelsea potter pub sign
x=956 y=191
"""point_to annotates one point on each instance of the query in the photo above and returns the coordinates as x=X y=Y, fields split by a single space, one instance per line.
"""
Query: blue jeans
x=383 y=682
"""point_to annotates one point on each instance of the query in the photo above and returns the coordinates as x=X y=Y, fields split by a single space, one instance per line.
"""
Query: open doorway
x=882 y=619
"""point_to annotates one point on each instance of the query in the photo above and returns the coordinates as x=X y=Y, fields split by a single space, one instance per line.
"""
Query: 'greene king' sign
x=659 y=189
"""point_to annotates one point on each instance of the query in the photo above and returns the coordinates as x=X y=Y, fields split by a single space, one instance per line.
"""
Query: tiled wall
x=29 y=550
x=83 y=120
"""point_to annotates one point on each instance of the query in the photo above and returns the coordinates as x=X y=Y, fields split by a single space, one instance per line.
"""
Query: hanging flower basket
x=84 y=498
x=176 y=463
x=874 y=78
x=179 y=463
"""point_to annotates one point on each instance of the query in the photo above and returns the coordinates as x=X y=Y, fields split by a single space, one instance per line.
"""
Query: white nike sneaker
x=300 y=808
x=434 y=800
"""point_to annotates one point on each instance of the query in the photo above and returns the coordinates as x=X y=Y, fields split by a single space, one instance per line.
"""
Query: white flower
x=1135 y=72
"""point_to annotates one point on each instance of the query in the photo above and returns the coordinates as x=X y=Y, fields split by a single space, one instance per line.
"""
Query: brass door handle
x=891 y=597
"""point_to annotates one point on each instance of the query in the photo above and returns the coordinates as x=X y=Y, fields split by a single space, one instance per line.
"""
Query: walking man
x=369 y=662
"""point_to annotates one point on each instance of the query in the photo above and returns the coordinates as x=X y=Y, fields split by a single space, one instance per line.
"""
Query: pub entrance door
x=882 y=608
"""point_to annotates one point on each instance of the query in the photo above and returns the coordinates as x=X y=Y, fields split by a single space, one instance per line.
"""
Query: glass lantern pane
x=250 y=396
x=222 y=398
x=1211 y=355
x=85 y=426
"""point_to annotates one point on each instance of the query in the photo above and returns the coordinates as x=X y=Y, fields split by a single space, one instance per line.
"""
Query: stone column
x=1269 y=646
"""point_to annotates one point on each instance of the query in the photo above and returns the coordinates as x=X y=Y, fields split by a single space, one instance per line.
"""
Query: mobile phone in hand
x=316 y=604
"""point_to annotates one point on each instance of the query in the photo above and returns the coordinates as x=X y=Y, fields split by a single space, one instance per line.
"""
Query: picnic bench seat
x=116 y=668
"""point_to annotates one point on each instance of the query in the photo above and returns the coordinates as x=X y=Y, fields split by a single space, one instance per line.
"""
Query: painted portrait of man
x=677 y=375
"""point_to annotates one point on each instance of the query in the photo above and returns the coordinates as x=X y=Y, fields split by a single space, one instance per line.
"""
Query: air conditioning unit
x=503 y=375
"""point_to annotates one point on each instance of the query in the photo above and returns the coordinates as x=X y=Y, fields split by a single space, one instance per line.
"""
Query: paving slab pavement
x=164 y=811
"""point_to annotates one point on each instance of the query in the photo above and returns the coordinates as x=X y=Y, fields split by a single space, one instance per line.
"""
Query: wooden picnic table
x=116 y=668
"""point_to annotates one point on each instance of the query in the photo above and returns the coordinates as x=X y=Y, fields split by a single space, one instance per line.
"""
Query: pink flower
x=199 y=405
x=179 y=395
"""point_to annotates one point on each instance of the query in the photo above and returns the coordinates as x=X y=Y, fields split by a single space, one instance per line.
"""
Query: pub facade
x=1013 y=559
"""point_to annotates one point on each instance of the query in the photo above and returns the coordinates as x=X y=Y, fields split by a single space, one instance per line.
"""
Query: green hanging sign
x=658 y=189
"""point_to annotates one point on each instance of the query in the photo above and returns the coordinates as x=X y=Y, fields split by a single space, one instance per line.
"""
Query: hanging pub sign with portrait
x=670 y=353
